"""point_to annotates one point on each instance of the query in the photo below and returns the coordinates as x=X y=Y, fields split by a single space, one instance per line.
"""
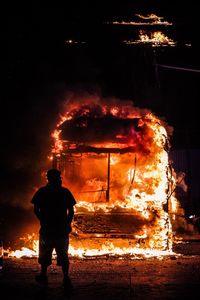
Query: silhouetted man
x=54 y=207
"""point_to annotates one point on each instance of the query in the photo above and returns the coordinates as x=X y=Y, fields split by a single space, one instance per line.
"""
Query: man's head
x=54 y=176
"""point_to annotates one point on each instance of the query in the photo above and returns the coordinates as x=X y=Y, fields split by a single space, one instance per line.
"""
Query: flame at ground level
x=84 y=249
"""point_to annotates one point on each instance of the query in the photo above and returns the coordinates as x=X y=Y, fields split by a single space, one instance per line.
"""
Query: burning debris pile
x=114 y=157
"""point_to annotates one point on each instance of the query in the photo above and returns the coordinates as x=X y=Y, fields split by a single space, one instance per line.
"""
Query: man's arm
x=37 y=210
x=35 y=201
x=70 y=209
x=72 y=202
x=70 y=215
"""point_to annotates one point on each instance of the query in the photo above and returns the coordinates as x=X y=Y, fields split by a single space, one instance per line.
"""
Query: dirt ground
x=172 y=277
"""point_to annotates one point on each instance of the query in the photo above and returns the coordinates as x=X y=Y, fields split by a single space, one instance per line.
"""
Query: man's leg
x=63 y=260
x=67 y=284
x=44 y=259
x=44 y=270
x=65 y=268
x=42 y=277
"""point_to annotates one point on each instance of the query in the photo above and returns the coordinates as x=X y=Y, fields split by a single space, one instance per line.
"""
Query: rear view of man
x=54 y=207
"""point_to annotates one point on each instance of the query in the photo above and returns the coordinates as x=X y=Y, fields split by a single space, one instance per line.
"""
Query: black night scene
x=104 y=66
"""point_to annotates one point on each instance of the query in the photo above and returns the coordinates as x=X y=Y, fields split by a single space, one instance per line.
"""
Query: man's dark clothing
x=46 y=247
x=53 y=205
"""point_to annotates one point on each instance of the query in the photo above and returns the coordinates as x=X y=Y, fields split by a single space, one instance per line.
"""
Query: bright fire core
x=114 y=159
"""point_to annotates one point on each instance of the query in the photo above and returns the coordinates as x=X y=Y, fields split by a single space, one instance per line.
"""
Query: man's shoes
x=42 y=279
x=67 y=284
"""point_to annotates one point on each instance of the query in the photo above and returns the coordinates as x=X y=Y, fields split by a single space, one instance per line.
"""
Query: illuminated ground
x=175 y=277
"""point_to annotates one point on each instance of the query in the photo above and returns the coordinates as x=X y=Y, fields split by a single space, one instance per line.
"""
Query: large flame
x=114 y=158
x=135 y=150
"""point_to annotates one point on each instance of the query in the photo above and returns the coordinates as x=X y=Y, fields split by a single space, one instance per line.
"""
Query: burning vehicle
x=114 y=158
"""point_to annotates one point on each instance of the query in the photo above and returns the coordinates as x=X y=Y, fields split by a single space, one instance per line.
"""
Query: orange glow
x=156 y=39
x=120 y=175
x=151 y=19
x=139 y=180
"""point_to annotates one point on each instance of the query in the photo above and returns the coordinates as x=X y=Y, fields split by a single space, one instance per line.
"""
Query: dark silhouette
x=54 y=207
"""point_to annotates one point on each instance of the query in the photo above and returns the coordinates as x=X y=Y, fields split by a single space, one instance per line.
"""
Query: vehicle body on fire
x=113 y=165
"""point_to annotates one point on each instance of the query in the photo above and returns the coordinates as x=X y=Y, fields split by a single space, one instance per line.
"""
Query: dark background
x=39 y=69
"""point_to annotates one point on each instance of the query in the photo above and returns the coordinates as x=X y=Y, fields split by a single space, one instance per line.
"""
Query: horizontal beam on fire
x=89 y=149
x=96 y=235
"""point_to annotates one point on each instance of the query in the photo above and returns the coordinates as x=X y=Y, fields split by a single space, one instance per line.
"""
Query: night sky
x=39 y=69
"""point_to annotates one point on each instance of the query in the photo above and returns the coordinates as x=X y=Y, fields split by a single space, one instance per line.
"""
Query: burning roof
x=111 y=126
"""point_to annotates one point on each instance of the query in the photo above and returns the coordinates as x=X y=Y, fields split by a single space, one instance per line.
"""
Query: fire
x=151 y=19
x=31 y=249
x=107 y=249
x=115 y=159
x=58 y=143
x=154 y=17
x=73 y=42
x=156 y=39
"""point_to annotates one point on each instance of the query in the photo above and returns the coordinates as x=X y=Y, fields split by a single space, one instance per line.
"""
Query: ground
x=171 y=277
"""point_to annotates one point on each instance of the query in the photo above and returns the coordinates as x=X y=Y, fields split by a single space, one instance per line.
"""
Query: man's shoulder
x=40 y=191
x=65 y=189
x=69 y=195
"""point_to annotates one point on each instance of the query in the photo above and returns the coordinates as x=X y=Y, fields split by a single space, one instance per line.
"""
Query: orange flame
x=122 y=185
